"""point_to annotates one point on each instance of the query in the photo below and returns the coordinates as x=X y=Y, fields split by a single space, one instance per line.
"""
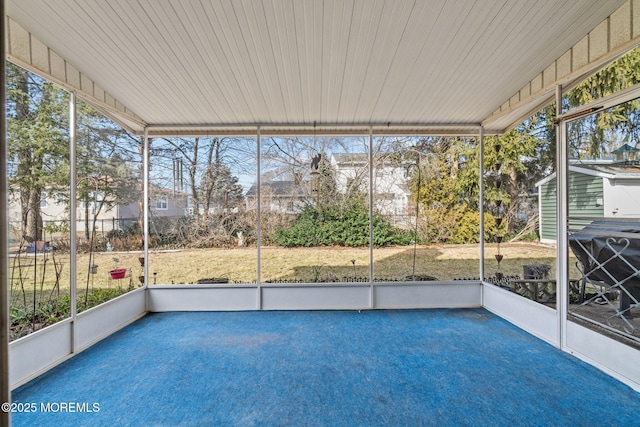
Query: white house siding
x=390 y=186
x=622 y=198
x=391 y=191
x=347 y=174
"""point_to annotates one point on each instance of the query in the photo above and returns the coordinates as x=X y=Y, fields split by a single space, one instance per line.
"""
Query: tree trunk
x=32 y=219
x=193 y=166
x=455 y=166
x=511 y=208
x=87 y=234
x=30 y=193
x=210 y=181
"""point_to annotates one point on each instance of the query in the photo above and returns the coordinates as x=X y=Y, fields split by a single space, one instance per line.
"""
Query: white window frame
x=162 y=204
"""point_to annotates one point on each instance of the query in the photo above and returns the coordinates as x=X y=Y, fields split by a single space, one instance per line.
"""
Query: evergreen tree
x=38 y=152
x=592 y=136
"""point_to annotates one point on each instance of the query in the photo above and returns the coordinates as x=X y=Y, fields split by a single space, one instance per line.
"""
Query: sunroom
x=210 y=154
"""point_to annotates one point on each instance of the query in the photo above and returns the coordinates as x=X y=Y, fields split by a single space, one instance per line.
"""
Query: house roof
x=327 y=66
x=608 y=171
x=350 y=158
x=353 y=159
x=159 y=191
x=625 y=147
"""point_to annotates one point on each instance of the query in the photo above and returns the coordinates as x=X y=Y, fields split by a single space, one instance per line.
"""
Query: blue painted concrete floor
x=329 y=368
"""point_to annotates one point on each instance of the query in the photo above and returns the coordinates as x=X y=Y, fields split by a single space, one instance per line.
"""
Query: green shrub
x=467 y=228
x=342 y=226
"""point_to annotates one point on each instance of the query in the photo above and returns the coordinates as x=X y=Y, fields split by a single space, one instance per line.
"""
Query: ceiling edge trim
x=614 y=37
x=28 y=52
x=304 y=129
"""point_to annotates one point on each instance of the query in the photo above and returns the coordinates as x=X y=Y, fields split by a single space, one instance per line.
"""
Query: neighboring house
x=597 y=190
x=166 y=202
x=391 y=193
x=54 y=209
x=278 y=196
x=627 y=154
x=350 y=172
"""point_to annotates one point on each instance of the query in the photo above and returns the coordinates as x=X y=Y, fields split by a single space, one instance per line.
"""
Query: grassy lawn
x=239 y=265
x=337 y=263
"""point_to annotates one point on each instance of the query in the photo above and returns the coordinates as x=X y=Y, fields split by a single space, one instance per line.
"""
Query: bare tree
x=212 y=185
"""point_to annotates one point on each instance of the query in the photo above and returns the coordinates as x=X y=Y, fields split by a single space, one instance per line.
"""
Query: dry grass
x=239 y=265
x=309 y=264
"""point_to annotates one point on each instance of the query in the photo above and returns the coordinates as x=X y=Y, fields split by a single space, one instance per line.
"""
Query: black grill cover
x=602 y=239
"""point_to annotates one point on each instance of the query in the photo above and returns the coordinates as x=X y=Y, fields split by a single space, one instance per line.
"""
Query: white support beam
x=371 y=199
x=620 y=97
x=259 y=216
x=562 y=247
x=145 y=203
x=5 y=387
x=73 y=224
x=481 y=200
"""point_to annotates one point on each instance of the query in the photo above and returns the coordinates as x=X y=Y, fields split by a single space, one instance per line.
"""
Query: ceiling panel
x=296 y=62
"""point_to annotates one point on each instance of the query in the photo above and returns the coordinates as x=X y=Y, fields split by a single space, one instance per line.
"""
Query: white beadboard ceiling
x=340 y=63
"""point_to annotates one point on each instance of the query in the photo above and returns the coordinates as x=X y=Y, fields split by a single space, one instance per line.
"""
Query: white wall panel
x=202 y=298
x=312 y=297
x=38 y=352
x=428 y=295
x=535 y=318
x=103 y=320
x=616 y=359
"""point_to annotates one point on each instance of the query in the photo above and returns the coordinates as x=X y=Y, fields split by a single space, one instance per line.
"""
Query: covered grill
x=609 y=251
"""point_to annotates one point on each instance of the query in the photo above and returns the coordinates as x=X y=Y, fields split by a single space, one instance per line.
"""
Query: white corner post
x=5 y=392
x=258 y=219
x=562 y=261
x=145 y=204
x=481 y=203
x=371 y=186
x=73 y=223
